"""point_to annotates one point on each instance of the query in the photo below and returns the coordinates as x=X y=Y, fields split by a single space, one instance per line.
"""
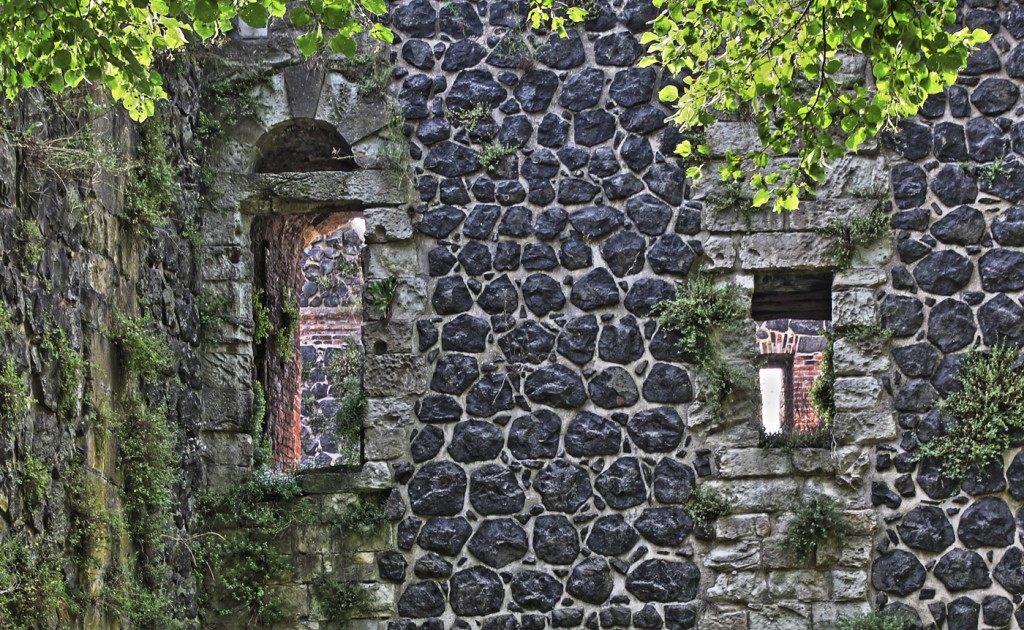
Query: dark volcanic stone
x=617 y=49
x=664 y=581
x=636 y=152
x=961 y=570
x=454 y=373
x=613 y=388
x=1008 y=230
x=535 y=436
x=391 y=566
x=445 y=536
x=422 y=599
x=536 y=89
x=555 y=539
x=987 y=480
x=916 y=219
x=575 y=254
x=475 y=258
x=432 y=566
x=552 y=131
x=440 y=261
x=576 y=191
x=595 y=290
x=1002 y=320
x=555 y=386
x=950 y=142
x=909 y=185
x=996 y=610
x=550 y=223
x=589 y=434
x=985 y=140
x=643 y=119
x=591 y=581
x=465 y=333
x=648 y=617
x=528 y=342
x=917 y=360
x=476 y=591
x=650 y=214
x=460 y=20
x=461 y=55
x=633 y=86
x=934 y=483
x=944 y=272
x=988 y=522
x=669 y=384
x=645 y=293
x=427 y=444
x=481 y=221
x=913 y=140
x=567 y=617
x=667 y=181
x=439 y=222
x=1009 y=572
x=473 y=87
x=493 y=489
x=621 y=342
x=498 y=542
x=439 y=408
x=535 y=590
x=954 y=186
x=578 y=339
x=656 y=430
x=665 y=526
x=962 y=614
x=542 y=294
x=563 y=486
x=592 y=127
x=562 y=53
x=926 y=527
x=995 y=96
x=451 y=160
x=963 y=226
x=451 y=296
x=475 y=441
x=416 y=19
x=622 y=484
x=1002 y=270
x=951 y=325
x=582 y=90
x=517 y=221
x=897 y=572
x=612 y=536
x=1015 y=476
x=673 y=481
x=499 y=297
x=407 y=531
x=596 y=221
x=624 y=253
x=491 y=394
x=671 y=255
x=437 y=489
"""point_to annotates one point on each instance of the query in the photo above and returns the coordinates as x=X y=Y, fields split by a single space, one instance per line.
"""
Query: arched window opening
x=307 y=310
x=793 y=313
x=304 y=146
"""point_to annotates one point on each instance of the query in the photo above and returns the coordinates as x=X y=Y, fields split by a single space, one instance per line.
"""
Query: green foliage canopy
x=63 y=43
x=789 y=67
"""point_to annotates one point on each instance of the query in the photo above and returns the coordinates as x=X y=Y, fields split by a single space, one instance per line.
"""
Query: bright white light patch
x=771 y=399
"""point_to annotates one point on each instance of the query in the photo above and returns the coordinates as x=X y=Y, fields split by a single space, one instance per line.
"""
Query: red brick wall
x=806 y=368
x=778 y=338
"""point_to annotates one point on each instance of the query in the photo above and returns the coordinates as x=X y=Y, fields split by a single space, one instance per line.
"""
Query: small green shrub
x=149 y=197
x=469 y=117
x=706 y=505
x=34 y=480
x=14 y=397
x=987 y=412
x=876 y=621
x=377 y=71
x=212 y=308
x=822 y=394
x=699 y=310
x=32 y=589
x=493 y=153
x=227 y=100
x=289 y=328
x=30 y=243
x=998 y=168
x=393 y=152
x=6 y=325
x=864 y=333
x=720 y=380
x=344 y=362
x=363 y=517
x=262 y=452
x=145 y=353
x=340 y=599
x=145 y=458
x=262 y=326
x=815 y=522
x=141 y=607
x=194 y=235
x=381 y=293
x=849 y=236
x=70 y=368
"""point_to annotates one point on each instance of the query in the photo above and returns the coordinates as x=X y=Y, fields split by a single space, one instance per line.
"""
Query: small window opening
x=304 y=146
x=793 y=313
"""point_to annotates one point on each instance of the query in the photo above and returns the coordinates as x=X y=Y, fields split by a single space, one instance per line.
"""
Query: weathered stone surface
x=555 y=539
x=784 y=251
x=961 y=570
x=612 y=536
x=1002 y=320
x=556 y=386
x=897 y=572
x=944 y=272
x=665 y=526
x=622 y=485
x=594 y=290
x=578 y=339
x=421 y=599
x=535 y=590
x=476 y=591
x=563 y=486
x=1009 y=572
x=663 y=581
x=445 y=536
x=1001 y=270
x=656 y=430
x=475 y=440
x=988 y=522
x=454 y=373
x=535 y=436
x=926 y=527
x=498 y=542
x=438 y=489
x=494 y=489
x=591 y=581
x=542 y=294
x=903 y=314
x=673 y=481
x=613 y=388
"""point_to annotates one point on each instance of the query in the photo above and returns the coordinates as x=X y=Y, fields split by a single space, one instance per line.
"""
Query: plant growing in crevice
x=393 y=152
x=14 y=397
x=289 y=328
x=212 y=306
x=32 y=589
x=34 y=479
x=494 y=153
x=381 y=293
x=705 y=506
x=262 y=454
x=987 y=412
x=376 y=73
x=789 y=439
x=262 y=326
x=813 y=524
x=999 y=168
x=469 y=117
x=30 y=243
x=227 y=101
x=340 y=599
x=145 y=353
x=822 y=395
x=362 y=517
x=850 y=236
x=149 y=197
x=71 y=367
x=699 y=310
